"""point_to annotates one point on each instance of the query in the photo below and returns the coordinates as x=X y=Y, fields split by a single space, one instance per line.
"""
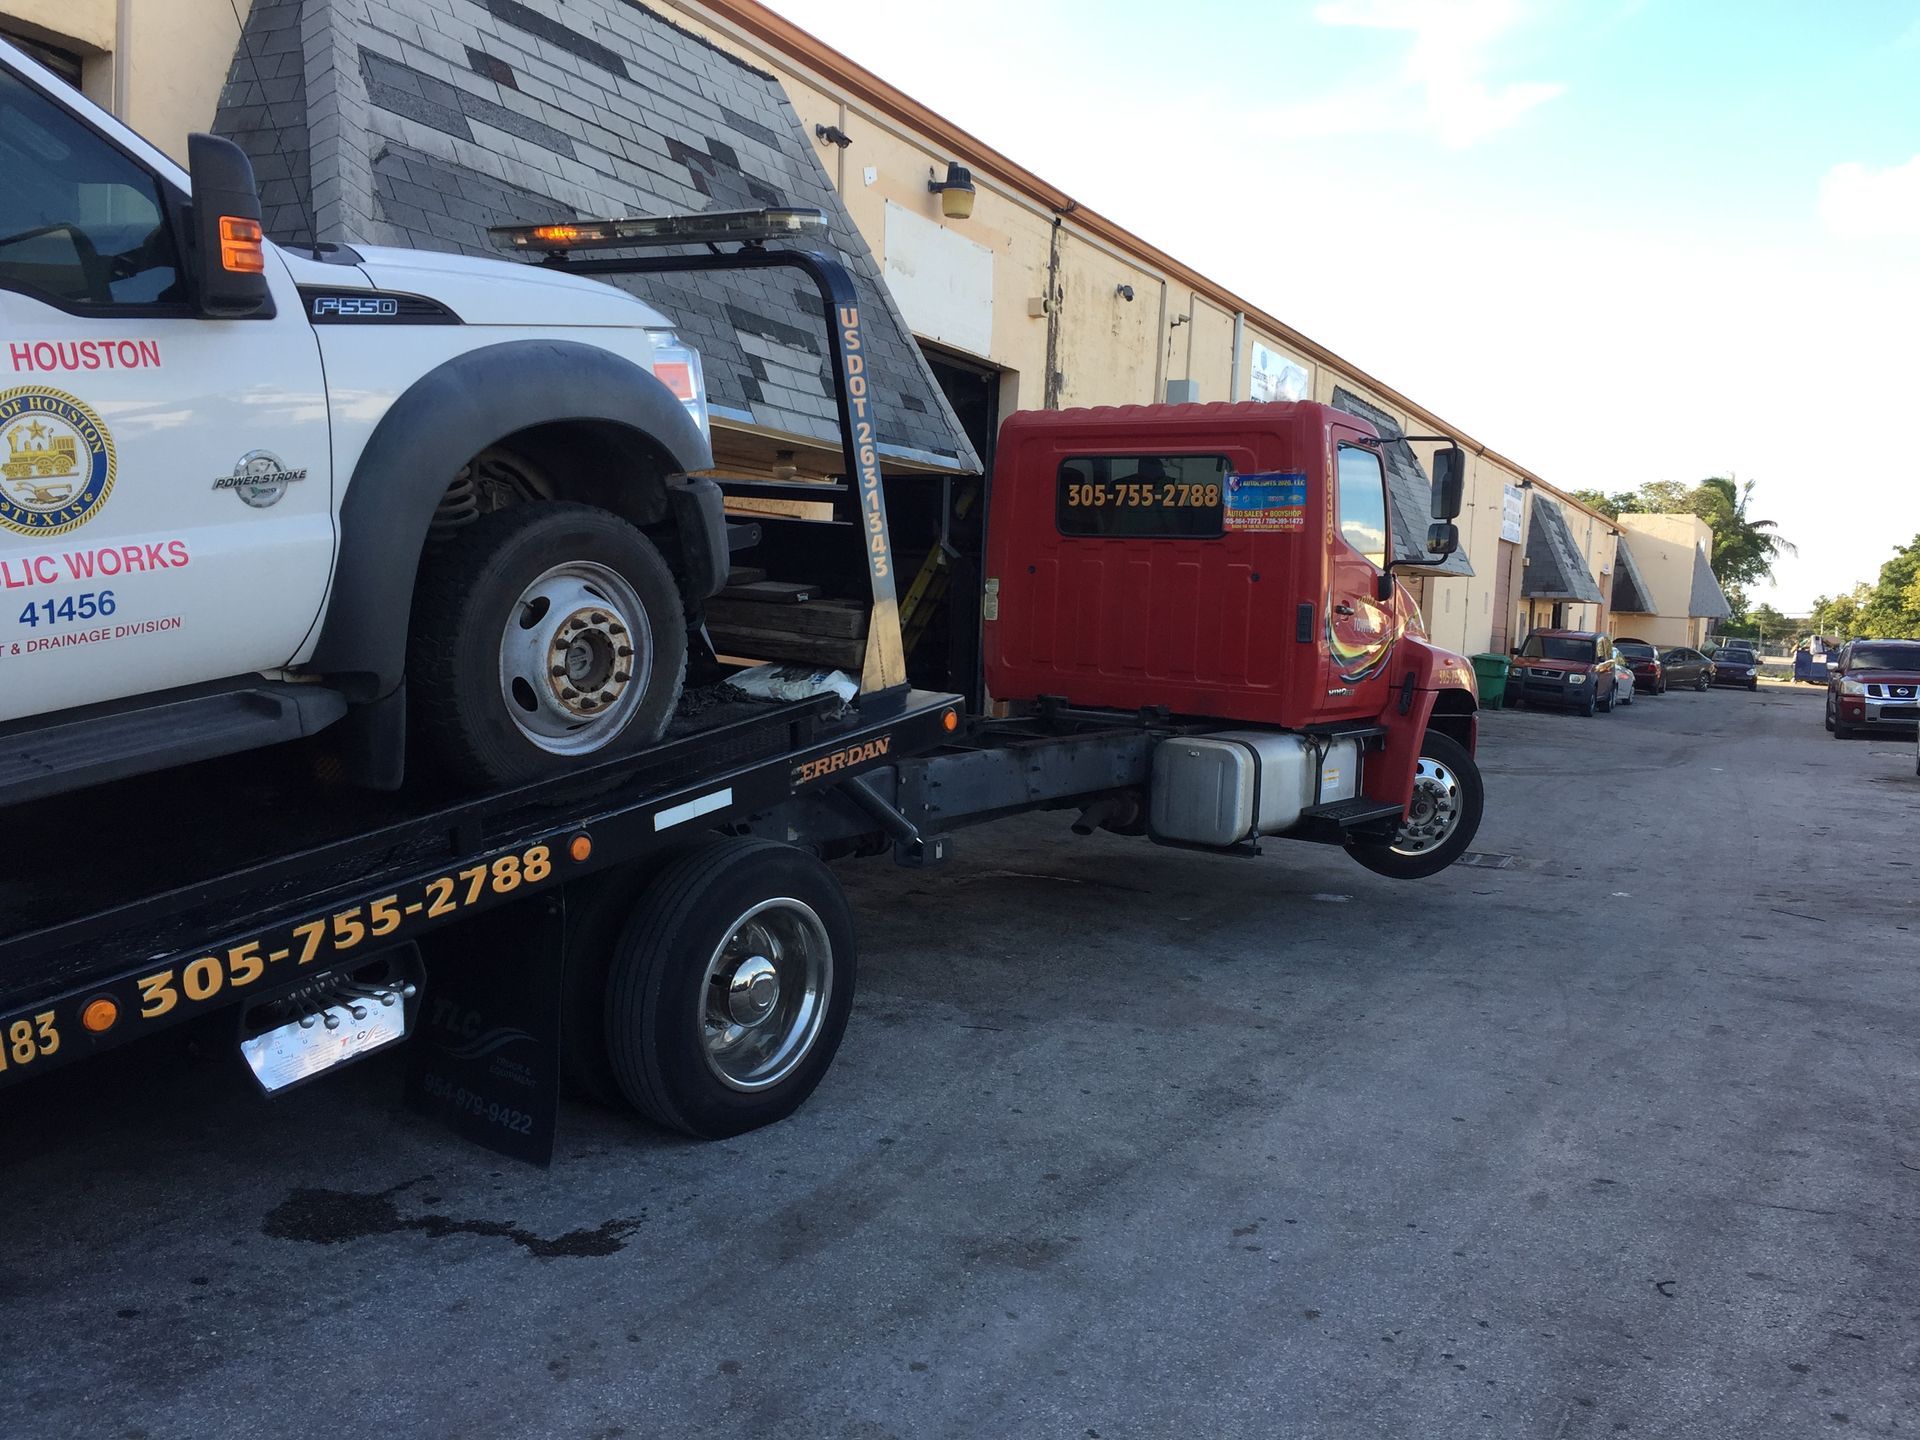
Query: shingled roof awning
x=1631 y=593
x=422 y=122
x=1408 y=486
x=1707 y=599
x=1556 y=570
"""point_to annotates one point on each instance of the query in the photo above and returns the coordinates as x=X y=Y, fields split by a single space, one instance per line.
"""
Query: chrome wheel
x=575 y=658
x=766 y=994
x=1435 y=812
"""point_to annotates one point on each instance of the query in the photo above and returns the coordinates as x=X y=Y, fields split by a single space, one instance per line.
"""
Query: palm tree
x=1744 y=548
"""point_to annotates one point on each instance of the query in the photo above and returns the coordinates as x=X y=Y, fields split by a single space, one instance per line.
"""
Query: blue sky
x=1618 y=241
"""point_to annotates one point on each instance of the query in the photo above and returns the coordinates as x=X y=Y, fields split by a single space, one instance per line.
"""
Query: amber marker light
x=240 y=247
x=951 y=721
x=556 y=233
x=580 y=847
x=100 y=1014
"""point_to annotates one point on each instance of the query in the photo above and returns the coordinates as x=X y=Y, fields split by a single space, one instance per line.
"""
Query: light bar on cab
x=709 y=227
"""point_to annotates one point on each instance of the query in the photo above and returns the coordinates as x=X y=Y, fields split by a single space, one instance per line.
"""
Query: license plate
x=297 y=1051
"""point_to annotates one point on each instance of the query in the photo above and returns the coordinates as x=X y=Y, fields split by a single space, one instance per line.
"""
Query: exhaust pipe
x=1113 y=812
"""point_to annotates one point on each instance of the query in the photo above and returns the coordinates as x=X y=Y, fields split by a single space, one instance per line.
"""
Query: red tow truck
x=1192 y=632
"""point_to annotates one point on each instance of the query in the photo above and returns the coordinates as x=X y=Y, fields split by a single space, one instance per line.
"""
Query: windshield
x=1899 y=655
x=1634 y=649
x=1558 y=647
x=1732 y=655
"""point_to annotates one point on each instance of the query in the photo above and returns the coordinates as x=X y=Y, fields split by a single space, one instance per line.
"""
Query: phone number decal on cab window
x=1165 y=495
x=284 y=953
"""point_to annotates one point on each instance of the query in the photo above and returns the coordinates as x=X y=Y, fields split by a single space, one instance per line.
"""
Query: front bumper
x=1547 y=687
x=1735 y=677
x=1879 y=714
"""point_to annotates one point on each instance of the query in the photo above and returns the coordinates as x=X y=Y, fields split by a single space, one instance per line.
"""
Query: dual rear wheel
x=709 y=994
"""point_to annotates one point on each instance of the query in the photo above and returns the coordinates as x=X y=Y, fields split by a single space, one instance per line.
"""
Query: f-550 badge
x=259 y=479
x=58 y=468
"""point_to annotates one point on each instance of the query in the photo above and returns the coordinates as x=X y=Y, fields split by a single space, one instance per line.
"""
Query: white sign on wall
x=1513 y=513
x=942 y=281
x=1275 y=377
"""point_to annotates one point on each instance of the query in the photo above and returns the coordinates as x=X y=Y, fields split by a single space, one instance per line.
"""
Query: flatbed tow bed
x=207 y=897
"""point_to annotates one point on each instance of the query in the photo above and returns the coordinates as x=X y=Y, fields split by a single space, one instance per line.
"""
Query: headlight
x=1750 y=669
x=1576 y=679
x=1853 y=687
x=676 y=365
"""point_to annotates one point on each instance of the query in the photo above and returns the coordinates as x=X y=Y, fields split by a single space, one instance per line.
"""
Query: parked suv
x=249 y=491
x=1874 y=685
x=1573 y=669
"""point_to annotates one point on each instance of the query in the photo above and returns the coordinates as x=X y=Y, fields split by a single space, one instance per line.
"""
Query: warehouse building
x=423 y=121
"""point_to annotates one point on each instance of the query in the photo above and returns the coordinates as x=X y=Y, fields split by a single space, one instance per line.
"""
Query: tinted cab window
x=81 y=224
x=1363 y=503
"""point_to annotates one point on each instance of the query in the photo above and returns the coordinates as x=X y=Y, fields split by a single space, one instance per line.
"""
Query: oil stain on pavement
x=332 y=1217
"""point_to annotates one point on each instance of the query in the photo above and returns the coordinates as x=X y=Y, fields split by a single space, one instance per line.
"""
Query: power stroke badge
x=260 y=479
x=58 y=464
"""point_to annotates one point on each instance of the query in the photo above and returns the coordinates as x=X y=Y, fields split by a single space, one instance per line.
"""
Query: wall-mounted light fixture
x=955 y=192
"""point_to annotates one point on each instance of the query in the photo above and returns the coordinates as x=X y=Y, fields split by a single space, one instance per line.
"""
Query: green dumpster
x=1491 y=672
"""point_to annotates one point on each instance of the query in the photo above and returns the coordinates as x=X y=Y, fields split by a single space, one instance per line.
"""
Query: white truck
x=248 y=491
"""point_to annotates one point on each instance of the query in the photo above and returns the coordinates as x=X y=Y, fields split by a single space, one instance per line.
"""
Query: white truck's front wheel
x=543 y=636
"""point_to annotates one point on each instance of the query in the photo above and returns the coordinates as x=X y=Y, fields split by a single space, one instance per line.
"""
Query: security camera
x=1125 y=292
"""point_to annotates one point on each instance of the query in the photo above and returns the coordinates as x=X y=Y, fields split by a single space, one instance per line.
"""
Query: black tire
x=597 y=912
x=658 y=995
x=1399 y=864
x=1753 y=687
x=463 y=603
x=1593 y=704
x=1702 y=682
x=1827 y=720
x=1613 y=700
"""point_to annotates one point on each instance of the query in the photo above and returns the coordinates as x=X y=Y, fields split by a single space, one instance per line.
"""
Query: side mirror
x=1383 y=587
x=229 y=247
x=1449 y=486
x=1443 y=537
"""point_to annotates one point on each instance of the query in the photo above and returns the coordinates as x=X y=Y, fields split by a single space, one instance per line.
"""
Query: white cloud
x=1872 y=204
x=1442 y=88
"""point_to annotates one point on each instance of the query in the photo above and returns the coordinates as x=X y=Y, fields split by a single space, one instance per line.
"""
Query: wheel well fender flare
x=446 y=417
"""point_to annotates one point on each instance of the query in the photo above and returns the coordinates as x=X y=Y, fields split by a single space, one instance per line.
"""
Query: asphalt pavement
x=1611 y=1134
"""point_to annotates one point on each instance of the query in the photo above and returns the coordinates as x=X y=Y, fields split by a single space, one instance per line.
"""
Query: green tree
x=1608 y=505
x=1891 y=609
x=1744 y=547
x=1840 y=614
x=1772 y=625
x=1664 y=497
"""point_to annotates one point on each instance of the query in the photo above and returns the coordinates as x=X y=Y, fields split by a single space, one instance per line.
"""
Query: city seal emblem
x=56 y=461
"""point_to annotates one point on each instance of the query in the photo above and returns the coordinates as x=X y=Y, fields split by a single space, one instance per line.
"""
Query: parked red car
x=1874 y=685
x=1573 y=669
x=1648 y=673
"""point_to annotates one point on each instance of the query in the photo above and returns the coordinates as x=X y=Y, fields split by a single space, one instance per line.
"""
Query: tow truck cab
x=1228 y=560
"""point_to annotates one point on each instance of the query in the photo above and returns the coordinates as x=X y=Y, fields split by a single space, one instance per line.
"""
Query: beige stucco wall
x=157 y=64
x=1663 y=547
x=181 y=51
